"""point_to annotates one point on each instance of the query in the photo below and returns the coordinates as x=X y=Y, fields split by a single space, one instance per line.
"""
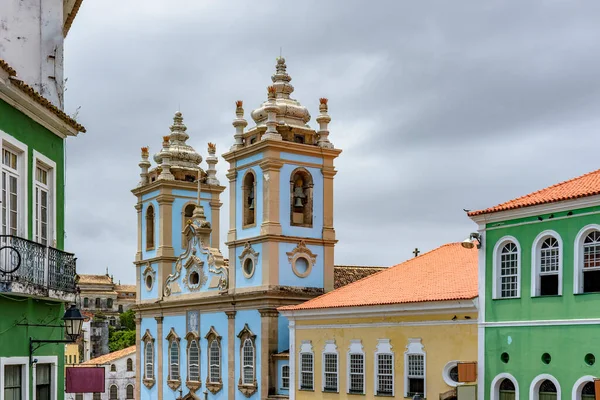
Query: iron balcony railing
x=30 y=263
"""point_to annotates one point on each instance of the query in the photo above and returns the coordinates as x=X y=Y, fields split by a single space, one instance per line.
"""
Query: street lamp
x=73 y=322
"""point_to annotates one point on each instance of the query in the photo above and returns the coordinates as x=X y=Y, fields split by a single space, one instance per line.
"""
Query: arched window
x=249 y=196
x=187 y=214
x=86 y=302
x=591 y=262
x=547 y=390
x=193 y=361
x=113 y=368
x=129 y=365
x=129 y=392
x=114 y=392
x=301 y=198
x=215 y=361
x=506 y=390
x=588 y=392
x=150 y=228
x=546 y=261
x=544 y=387
x=507 y=266
x=248 y=363
x=148 y=341
x=173 y=356
x=248 y=385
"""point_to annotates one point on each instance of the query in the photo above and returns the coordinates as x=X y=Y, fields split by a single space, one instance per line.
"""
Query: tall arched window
x=248 y=362
x=129 y=365
x=507 y=266
x=129 y=392
x=193 y=361
x=249 y=199
x=506 y=390
x=591 y=262
x=150 y=227
x=148 y=341
x=588 y=392
x=214 y=381
x=301 y=198
x=173 y=380
x=547 y=390
x=248 y=384
x=113 y=368
x=546 y=265
x=114 y=392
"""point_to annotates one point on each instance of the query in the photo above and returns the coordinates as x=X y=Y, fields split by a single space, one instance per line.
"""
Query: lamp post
x=73 y=322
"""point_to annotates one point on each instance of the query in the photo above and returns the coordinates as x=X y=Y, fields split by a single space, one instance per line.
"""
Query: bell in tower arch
x=299 y=195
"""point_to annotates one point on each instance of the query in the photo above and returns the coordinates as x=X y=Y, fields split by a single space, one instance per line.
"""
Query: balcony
x=29 y=268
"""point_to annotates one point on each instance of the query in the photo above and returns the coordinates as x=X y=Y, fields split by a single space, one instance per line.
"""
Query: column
x=292 y=327
x=159 y=352
x=138 y=357
x=231 y=385
x=268 y=344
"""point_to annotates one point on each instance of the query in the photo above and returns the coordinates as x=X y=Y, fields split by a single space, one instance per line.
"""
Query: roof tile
x=105 y=359
x=582 y=186
x=446 y=273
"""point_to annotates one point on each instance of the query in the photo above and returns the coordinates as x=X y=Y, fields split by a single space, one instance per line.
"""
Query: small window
x=98 y=305
x=114 y=392
x=42 y=381
x=13 y=381
x=109 y=303
x=42 y=212
x=547 y=390
x=509 y=271
x=129 y=365
x=120 y=308
x=188 y=213
x=150 y=228
x=129 y=392
x=306 y=371
x=507 y=390
x=588 y=392
x=79 y=396
x=285 y=377
x=149 y=361
x=96 y=396
x=86 y=302
x=416 y=374
x=11 y=192
x=249 y=195
x=113 y=368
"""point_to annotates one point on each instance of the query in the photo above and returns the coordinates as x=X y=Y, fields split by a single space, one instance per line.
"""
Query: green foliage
x=119 y=340
x=128 y=320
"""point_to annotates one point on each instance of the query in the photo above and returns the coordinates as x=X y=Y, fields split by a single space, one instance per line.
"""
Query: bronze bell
x=298 y=202
x=251 y=207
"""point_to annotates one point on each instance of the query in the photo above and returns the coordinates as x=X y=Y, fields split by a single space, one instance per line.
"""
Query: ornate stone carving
x=302 y=252
x=149 y=276
x=194 y=277
x=248 y=260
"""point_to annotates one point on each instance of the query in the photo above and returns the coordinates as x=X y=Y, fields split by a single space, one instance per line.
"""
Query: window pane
x=12 y=382
x=248 y=363
x=306 y=370
x=385 y=375
x=331 y=373
x=356 y=373
x=509 y=258
x=215 y=361
x=285 y=377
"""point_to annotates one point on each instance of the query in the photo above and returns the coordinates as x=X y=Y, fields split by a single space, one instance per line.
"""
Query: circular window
x=149 y=281
x=450 y=373
x=454 y=373
x=504 y=357
x=194 y=278
x=546 y=358
x=590 y=359
x=248 y=268
x=301 y=265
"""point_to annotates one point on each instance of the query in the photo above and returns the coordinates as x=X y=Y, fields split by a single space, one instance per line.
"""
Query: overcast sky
x=438 y=106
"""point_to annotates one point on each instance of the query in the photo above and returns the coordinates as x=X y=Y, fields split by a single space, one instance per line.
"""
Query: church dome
x=290 y=111
x=180 y=154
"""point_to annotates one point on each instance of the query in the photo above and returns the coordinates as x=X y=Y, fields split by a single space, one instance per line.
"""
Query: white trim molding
x=536 y=261
x=537 y=381
x=496 y=286
x=440 y=322
x=446 y=373
x=547 y=322
x=50 y=166
x=306 y=348
x=383 y=347
x=330 y=348
x=23 y=184
x=579 y=384
x=53 y=361
x=24 y=362
x=578 y=256
x=415 y=347
x=495 y=386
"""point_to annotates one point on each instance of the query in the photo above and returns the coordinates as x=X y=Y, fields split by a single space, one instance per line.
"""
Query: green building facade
x=37 y=277
x=539 y=291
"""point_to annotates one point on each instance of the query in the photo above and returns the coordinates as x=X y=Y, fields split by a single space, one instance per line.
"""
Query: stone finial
x=271 y=109
x=323 y=119
x=175 y=150
x=212 y=160
x=239 y=123
x=144 y=166
x=165 y=173
x=281 y=80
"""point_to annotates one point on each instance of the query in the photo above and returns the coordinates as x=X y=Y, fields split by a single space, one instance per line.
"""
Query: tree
x=119 y=340
x=128 y=320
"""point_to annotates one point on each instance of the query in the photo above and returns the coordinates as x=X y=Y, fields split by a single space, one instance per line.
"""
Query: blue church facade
x=207 y=322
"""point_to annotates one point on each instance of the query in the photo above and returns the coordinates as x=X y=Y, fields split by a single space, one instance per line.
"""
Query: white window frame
x=578 y=256
x=189 y=358
x=173 y=362
x=384 y=347
x=536 y=261
x=150 y=363
x=24 y=363
x=330 y=348
x=578 y=386
x=50 y=167
x=252 y=365
x=306 y=348
x=496 y=287
x=536 y=383
x=446 y=374
x=21 y=149
x=415 y=347
x=210 y=374
x=356 y=347
x=497 y=381
x=283 y=387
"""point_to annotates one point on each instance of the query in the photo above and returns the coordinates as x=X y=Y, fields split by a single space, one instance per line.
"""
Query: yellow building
x=71 y=354
x=399 y=332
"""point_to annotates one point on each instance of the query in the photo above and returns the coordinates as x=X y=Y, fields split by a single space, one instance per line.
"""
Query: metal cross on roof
x=416 y=252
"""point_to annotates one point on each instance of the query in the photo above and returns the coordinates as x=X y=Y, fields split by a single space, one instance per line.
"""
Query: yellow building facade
x=400 y=332
x=71 y=354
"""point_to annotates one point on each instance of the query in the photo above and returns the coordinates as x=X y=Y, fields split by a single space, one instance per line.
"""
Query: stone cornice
x=165 y=199
x=269 y=313
x=289 y=147
x=285 y=239
x=230 y=314
x=138 y=207
x=174 y=184
x=271 y=164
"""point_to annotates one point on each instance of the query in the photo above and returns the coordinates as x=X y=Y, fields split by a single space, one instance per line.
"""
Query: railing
x=26 y=262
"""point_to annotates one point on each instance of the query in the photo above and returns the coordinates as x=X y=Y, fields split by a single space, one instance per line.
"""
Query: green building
x=539 y=293
x=37 y=277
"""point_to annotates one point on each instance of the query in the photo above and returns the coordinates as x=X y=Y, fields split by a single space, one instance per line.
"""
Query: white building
x=119 y=373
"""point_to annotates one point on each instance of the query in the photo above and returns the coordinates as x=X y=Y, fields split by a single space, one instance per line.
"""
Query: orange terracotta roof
x=582 y=186
x=31 y=92
x=125 y=288
x=107 y=358
x=4 y=65
x=346 y=274
x=95 y=279
x=446 y=273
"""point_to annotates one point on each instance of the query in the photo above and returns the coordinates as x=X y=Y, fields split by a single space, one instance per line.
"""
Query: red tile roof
x=446 y=273
x=582 y=186
x=105 y=359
